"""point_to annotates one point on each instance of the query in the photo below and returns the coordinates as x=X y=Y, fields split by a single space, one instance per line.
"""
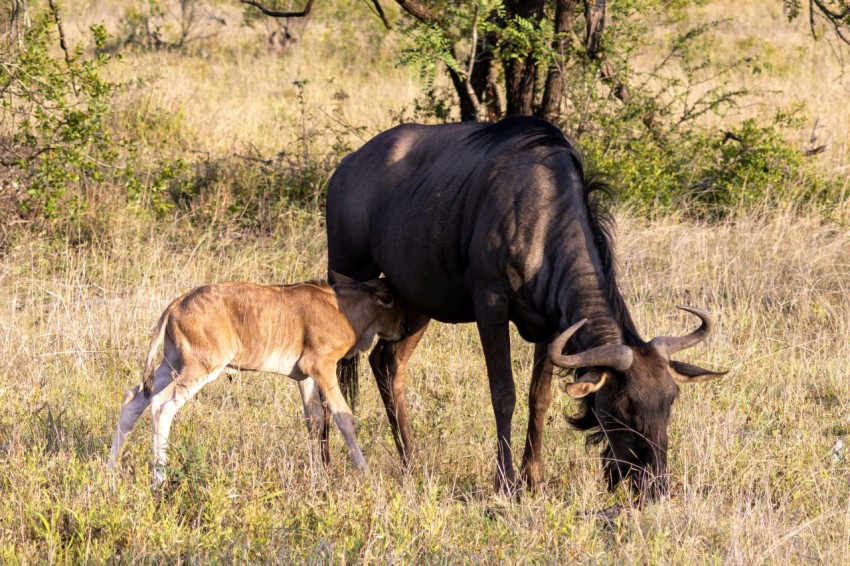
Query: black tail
x=347 y=375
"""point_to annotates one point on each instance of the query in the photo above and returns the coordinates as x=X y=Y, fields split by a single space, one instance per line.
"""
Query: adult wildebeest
x=299 y=330
x=494 y=223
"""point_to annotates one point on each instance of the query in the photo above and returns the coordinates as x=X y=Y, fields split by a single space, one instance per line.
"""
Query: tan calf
x=300 y=330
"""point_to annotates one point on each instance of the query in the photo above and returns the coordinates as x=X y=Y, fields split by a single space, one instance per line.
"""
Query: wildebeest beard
x=628 y=454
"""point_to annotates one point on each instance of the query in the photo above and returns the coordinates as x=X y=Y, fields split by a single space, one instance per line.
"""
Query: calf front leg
x=315 y=415
x=324 y=374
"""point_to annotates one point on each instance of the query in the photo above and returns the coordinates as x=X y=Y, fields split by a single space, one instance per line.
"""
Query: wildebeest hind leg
x=325 y=377
x=539 y=399
x=389 y=365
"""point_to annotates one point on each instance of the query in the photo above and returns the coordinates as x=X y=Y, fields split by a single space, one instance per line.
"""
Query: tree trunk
x=594 y=15
x=553 y=92
x=481 y=81
x=521 y=71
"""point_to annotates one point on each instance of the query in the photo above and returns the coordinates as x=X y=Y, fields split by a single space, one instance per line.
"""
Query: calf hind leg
x=135 y=402
x=166 y=403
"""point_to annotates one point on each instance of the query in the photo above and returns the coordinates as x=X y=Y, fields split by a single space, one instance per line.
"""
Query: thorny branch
x=62 y=42
x=279 y=14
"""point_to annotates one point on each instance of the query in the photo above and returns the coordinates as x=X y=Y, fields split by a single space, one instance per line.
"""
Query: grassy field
x=759 y=460
x=759 y=474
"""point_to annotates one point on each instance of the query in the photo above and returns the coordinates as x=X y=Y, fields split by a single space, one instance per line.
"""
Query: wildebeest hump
x=471 y=208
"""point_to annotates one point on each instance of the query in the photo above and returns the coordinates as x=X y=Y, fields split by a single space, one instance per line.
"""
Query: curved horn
x=669 y=345
x=615 y=356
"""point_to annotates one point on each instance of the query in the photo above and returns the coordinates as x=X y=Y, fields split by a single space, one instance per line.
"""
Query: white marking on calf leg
x=133 y=405
x=314 y=414
x=167 y=402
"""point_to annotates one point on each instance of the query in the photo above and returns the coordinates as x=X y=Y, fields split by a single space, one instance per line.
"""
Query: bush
x=55 y=140
x=666 y=132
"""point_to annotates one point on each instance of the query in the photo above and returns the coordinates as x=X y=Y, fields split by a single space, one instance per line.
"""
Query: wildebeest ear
x=340 y=278
x=589 y=383
x=684 y=372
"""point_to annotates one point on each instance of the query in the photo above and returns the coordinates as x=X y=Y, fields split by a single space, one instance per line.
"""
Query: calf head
x=629 y=391
x=372 y=309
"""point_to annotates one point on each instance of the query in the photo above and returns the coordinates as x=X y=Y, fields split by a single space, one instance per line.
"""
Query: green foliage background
x=674 y=145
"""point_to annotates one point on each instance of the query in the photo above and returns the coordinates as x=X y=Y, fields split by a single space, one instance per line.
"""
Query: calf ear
x=688 y=373
x=383 y=298
x=340 y=278
x=590 y=382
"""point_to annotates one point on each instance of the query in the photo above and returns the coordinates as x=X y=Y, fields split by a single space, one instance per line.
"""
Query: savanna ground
x=759 y=464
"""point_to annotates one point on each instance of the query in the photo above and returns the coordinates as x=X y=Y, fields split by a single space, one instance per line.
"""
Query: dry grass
x=758 y=472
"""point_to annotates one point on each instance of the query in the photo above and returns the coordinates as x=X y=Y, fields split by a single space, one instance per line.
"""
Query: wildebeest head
x=629 y=391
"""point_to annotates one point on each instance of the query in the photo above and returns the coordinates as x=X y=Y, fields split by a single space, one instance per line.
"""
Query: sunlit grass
x=759 y=474
x=755 y=472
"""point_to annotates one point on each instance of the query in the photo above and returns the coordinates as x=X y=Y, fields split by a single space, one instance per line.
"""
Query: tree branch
x=380 y=12
x=473 y=98
x=839 y=20
x=829 y=13
x=418 y=11
x=279 y=14
x=62 y=42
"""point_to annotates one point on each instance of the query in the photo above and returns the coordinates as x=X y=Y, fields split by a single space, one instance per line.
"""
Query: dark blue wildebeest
x=498 y=223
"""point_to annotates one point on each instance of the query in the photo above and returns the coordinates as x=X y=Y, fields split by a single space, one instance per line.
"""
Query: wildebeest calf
x=299 y=330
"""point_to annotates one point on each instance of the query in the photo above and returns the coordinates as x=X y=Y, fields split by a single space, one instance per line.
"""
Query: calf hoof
x=158 y=476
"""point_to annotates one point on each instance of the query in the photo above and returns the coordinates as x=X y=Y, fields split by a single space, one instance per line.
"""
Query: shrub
x=55 y=135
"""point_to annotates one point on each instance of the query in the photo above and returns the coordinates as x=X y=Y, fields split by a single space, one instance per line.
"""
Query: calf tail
x=156 y=341
x=348 y=377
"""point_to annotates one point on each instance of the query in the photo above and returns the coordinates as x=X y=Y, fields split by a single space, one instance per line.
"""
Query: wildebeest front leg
x=539 y=399
x=491 y=314
x=389 y=365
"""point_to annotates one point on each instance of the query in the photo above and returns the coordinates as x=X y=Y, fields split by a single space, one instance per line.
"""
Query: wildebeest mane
x=522 y=133
x=597 y=190
x=525 y=133
x=528 y=132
